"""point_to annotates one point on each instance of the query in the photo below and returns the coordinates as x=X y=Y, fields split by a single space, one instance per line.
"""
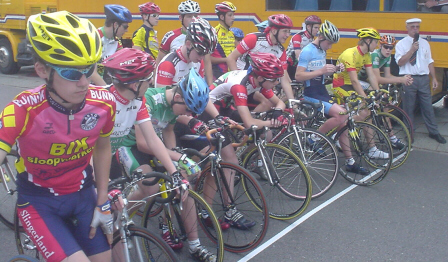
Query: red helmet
x=266 y=65
x=388 y=40
x=280 y=21
x=129 y=65
x=225 y=7
x=312 y=19
x=149 y=8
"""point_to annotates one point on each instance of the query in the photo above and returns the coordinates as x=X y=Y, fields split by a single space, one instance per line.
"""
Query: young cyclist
x=271 y=41
x=173 y=40
x=200 y=41
x=312 y=69
x=262 y=26
x=57 y=127
x=145 y=38
x=300 y=40
x=381 y=61
x=239 y=35
x=226 y=39
x=117 y=22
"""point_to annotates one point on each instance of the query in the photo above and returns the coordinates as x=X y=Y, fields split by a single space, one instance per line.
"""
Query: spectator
x=433 y=6
x=413 y=56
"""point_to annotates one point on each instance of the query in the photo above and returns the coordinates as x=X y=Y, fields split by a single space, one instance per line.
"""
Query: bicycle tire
x=400 y=130
x=24 y=244
x=155 y=248
x=401 y=114
x=23 y=258
x=249 y=200
x=8 y=193
x=321 y=161
x=290 y=170
x=378 y=168
x=210 y=236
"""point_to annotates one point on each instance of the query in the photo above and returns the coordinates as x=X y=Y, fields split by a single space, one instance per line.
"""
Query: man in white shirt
x=413 y=56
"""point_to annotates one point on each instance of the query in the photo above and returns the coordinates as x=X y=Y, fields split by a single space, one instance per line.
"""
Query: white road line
x=294 y=225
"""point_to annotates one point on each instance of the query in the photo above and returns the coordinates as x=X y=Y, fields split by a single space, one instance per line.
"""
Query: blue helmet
x=237 y=32
x=262 y=26
x=118 y=12
x=194 y=91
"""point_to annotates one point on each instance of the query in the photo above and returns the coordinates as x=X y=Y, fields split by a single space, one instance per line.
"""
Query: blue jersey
x=312 y=58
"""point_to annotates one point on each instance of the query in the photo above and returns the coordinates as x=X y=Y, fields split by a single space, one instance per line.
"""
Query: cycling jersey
x=127 y=114
x=55 y=147
x=298 y=42
x=174 y=66
x=110 y=46
x=146 y=38
x=236 y=85
x=259 y=43
x=353 y=59
x=173 y=40
x=378 y=61
x=313 y=58
x=225 y=46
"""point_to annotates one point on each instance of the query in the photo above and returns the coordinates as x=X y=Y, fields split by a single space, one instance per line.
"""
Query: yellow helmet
x=62 y=38
x=368 y=32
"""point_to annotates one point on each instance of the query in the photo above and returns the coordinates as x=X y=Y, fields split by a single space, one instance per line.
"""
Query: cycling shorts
x=326 y=104
x=343 y=91
x=130 y=157
x=59 y=225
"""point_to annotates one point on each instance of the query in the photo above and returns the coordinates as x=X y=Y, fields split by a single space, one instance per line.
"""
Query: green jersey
x=378 y=61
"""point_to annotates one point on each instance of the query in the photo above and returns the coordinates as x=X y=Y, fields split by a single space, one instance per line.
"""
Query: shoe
x=315 y=146
x=357 y=169
x=237 y=220
x=438 y=138
x=176 y=244
x=398 y=145
x=224 y=225
x=378 y=154
x=261 y=172
x=202 y=254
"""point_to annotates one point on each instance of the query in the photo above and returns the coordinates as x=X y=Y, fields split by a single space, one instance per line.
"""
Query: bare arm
x=277 y=102
x=161 y=55
x=248 y=120
x=302 y=74
x=355 y=82
x=169 y=138
x=372 y=78
x=208 y=70
x=101 y=164
x=231 y=59
x=388 y=77
x=142 y=146
x=285 y=82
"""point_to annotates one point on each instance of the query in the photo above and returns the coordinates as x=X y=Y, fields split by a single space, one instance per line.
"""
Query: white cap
x=413 y=20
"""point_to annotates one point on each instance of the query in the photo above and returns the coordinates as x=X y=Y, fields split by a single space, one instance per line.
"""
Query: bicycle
x=283 y=177
x=23 y=258
x=8 y=191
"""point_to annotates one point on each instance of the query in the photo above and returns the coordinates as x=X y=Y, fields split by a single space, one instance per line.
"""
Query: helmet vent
x=41 y=46
x=72 y=47
x=73 y=21
x=31 y=31
x=61 y=57
x=57 y=31
x=49 y=20
x=85 y=40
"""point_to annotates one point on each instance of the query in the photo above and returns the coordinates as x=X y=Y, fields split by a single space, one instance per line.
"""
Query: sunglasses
x=414 y=26
x=272 y=79
x=389 y=47
x=200 y=52
x=125 y=26
x=73 y=74
x=154 y=15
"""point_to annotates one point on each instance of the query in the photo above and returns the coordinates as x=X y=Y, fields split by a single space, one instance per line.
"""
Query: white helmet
x=189 y=7
x=329 y=31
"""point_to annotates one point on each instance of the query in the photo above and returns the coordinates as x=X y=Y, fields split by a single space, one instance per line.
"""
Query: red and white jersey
x=55 y=144
x=127 y=114
x=259 y=43
x=110 y=46
x=237 y=84
x=172 y=41
x=173 y=67
x=298 y=42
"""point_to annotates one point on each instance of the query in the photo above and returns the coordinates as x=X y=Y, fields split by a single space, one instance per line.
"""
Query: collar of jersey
x=119 y=97
x=221 y=27
x=180 y=55
x=268 y=39
x=359 y=50
x=307 y=34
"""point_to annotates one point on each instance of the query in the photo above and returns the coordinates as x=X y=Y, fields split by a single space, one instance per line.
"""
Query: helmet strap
x=147 y=20
x=50 y=86
x=368 y=44
x=114 y=31
x=189 y=50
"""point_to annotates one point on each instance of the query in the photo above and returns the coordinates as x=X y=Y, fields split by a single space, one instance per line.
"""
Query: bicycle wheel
x=23 y=258
x=320 y=158
x=363 y=136
x=248 y=199
x=290 y=193
x=401 y=114
x=24 y=244
x=391 y=125
x=8 y=193
x=190 y=223
x=142 y=246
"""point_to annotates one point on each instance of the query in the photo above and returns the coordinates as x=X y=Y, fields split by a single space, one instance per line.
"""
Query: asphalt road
x=403 y=218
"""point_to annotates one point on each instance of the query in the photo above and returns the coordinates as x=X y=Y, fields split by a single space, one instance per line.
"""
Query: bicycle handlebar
x=216 y=130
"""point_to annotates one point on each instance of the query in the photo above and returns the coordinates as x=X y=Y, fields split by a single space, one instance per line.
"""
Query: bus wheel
x=7 y=63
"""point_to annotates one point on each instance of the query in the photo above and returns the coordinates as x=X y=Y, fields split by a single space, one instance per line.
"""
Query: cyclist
x=381 y=61
x=239 y=35
x=270 y=41
x=145 y=38
x=226 y=39
x=312 y=69
x=173 y=40
x=57 y=127
x=200 y=41
x=345 y=82
x=262 y=26
x=117 y=22
x=300 y=40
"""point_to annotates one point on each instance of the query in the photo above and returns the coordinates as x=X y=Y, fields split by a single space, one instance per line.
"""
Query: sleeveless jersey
x=378 y=61
x=298 y=42
x=172 y=41
x=237 y=85
x=259 y=43
x=127 y=114
x=312 y=58
x=146 y=38
x=173 y=67
x=55 y=146
x=225 y=46
x=353 y=59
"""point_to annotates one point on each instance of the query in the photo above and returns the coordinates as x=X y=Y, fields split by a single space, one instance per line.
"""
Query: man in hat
x=413 y=56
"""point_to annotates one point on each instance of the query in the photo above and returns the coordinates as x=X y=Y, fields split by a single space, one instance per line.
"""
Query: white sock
x=350 y=161
x=393 y=139
x=373 y=149
x=194 y=244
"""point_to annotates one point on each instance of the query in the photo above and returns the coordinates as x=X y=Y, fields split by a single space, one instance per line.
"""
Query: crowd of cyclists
x=111 y=108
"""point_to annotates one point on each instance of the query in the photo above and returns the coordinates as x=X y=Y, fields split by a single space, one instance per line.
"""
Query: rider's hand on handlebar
x=116 y=199
x=197 y=127
x=183 y=184
x=188 y=165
